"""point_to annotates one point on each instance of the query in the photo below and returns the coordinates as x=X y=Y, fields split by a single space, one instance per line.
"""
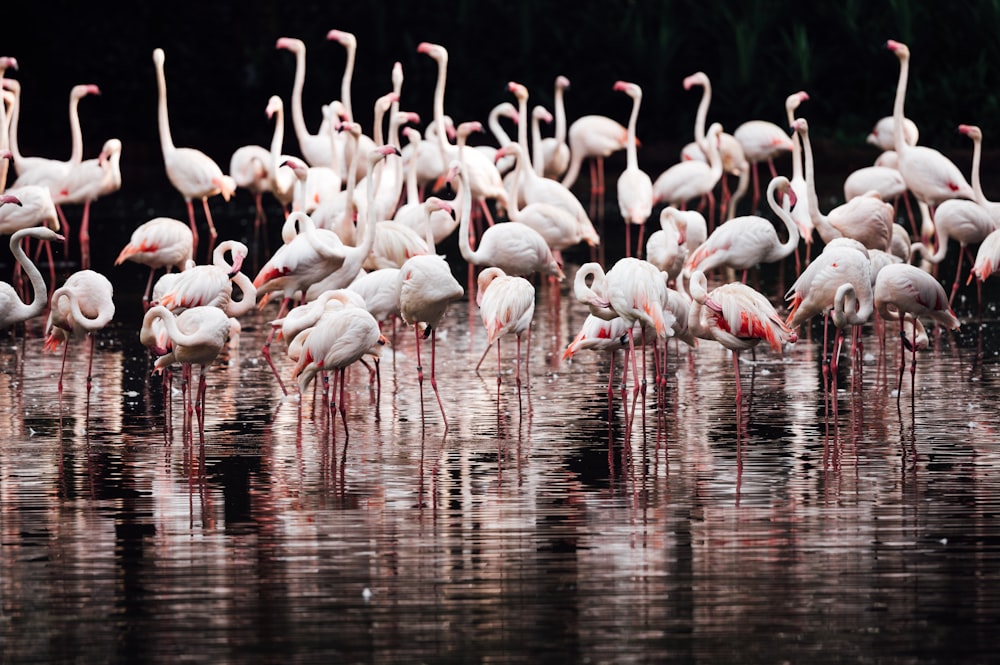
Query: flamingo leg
x=739 y=388
x=343 y=404
x=434 y=378
x=483 y=357
x=194 y=226
x=212 y=233
x=90 y=365
x=266 y=352
x=958 y=274
x=62 y=366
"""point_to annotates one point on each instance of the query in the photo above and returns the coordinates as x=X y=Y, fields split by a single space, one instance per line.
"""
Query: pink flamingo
x=88 y=181
x=930 y=175
x=635 y=187
x=506 y=306
x=83 y=304
x=192 y=173
x=905 y=292
x=737 y=317
x=212 y=284
x=691 y=179
x=592 y=139
x=162 y=242
x=13 y=310
x=554 y=158
x=427 y=287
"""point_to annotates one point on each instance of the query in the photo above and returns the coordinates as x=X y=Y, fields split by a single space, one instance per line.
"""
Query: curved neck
x=179 y=338
x=40 y=298
x=851 y=309
x=498 y=131
x=466 y=215
x=248 y=299
x=104 y=315
x=784 y=214
x=162 y=118
x=277 y=140
x=515 y=189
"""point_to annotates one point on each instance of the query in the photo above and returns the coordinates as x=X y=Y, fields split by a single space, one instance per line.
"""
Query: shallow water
x=528 y=531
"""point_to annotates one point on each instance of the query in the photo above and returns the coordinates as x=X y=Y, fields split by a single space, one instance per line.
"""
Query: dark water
x=530 y=531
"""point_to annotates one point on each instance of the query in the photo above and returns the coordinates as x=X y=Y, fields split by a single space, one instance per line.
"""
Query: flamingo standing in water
x=192 y=173
x=905 y=293
x=691 y=179
x=426 y=288
x=506 y=306
x=635 y=187
x=13 y=310
x=162 y=242
x=196 y=336
x=737 y=317
x=83 y=304
x=340 y=337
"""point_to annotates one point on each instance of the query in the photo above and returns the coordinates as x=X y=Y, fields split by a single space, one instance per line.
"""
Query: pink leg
x=266 y=352
x=212 y=233
x=194 y=227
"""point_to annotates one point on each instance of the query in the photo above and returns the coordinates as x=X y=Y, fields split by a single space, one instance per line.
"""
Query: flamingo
x=343 y=151
x=212 y=284
x=506 y=306
x=506 y=110
x=83 y=304
x=800 y=211
x=13 y=310
x=636 y=291
x=88 y=181
x=743 y=242
x=516 y=248
x=192 y=173
x=426 y=289
x=930 y=175
x=868 y=219
x=162 y=242
x=315 y=148
x=840 y=280
x=554 y=158
x=734 y=162
x=690 y=179
x=635 y=187
x=592 y=139
x=34 y=207
x=905 y=292
x=762 y=141
x=196 y=336
x=250 y=168
x=341 y=337
x=599 y=334
x=737 y=317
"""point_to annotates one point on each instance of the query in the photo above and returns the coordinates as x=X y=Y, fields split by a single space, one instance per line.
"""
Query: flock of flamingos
x=364 y=212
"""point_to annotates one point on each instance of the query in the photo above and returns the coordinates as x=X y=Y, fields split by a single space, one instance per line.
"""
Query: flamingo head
x=520 y=91
x=8 y=62
x=9 y=198
x=345 y=39
x=290 y=44
x=698 y=78
x=435 y=51
x=562 y=82
x=800 y=125
x=274 y=104
x=542 y=114
x=900 y=49
x=972 y=131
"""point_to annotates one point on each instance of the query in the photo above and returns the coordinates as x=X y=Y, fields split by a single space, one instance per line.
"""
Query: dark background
x=222 y=65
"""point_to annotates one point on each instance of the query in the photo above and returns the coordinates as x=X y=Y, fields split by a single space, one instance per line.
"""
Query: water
x=529 y=531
